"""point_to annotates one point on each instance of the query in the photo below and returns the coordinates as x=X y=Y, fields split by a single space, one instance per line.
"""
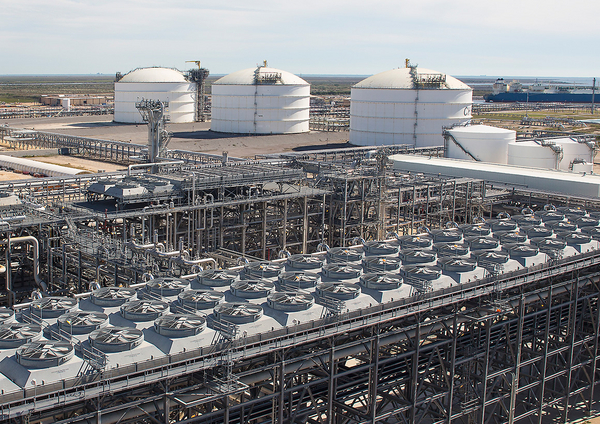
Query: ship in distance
x=540 y=92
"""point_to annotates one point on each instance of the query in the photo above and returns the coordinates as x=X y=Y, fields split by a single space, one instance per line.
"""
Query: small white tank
x=532 y=154
x=564 y=154
x=484 y=143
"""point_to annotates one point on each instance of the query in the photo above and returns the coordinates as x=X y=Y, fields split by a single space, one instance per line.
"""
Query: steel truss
x=520 y=347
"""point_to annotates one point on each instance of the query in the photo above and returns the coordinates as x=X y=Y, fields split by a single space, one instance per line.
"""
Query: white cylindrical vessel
x=531 y=154
x=407 y=106
x=164 y=84
x=260 y=100
x=564 y=154
x=482 y=142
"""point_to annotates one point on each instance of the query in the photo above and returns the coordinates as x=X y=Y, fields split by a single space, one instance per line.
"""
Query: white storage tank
x=564 y=154
x=482 y=142
x=407 y=106
x=163 y=84
x=260 y=100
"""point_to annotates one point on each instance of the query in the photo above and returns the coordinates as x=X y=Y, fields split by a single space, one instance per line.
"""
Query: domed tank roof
x=401 y=78
x=266 y=75
x=154 y=74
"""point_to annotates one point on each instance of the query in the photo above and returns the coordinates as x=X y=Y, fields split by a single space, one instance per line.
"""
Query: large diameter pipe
x=36 y=259
x=149 y=165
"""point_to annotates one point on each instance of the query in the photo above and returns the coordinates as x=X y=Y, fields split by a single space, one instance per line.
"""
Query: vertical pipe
x=331 y=391
x=593 y=368
x=573 y=318
x=517 y=369
x=452 y=365
x=545 y=356
x=486 y=367
x=415 y=373
x=374 y=376
x=281 y=392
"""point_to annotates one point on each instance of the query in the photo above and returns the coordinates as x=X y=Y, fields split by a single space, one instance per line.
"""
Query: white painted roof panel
x=400 y=78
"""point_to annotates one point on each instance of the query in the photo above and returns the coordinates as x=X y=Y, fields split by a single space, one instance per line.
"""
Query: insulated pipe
x=134 y=245
x=36 y=259
x=149 y=165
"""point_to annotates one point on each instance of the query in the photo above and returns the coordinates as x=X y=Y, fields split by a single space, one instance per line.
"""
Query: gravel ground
x=194 y=136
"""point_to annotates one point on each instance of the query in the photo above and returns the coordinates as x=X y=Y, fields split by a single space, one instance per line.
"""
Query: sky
x=458 y=37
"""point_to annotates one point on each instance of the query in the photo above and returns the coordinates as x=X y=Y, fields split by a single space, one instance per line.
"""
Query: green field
x=29 y=88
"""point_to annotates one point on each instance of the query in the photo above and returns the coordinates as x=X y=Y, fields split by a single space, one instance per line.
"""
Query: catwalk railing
x=54 y=395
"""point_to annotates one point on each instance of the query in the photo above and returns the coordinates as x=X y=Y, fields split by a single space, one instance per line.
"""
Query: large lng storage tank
x=260 y=100
x=163 y=84
x=407 y=106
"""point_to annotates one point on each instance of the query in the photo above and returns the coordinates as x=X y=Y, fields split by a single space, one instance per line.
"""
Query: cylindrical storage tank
x=260 y=100
x=407 y=106
x=164 y=84
x=482 y=142
x=576 y=157
x=559 y=153
x=532 y=154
